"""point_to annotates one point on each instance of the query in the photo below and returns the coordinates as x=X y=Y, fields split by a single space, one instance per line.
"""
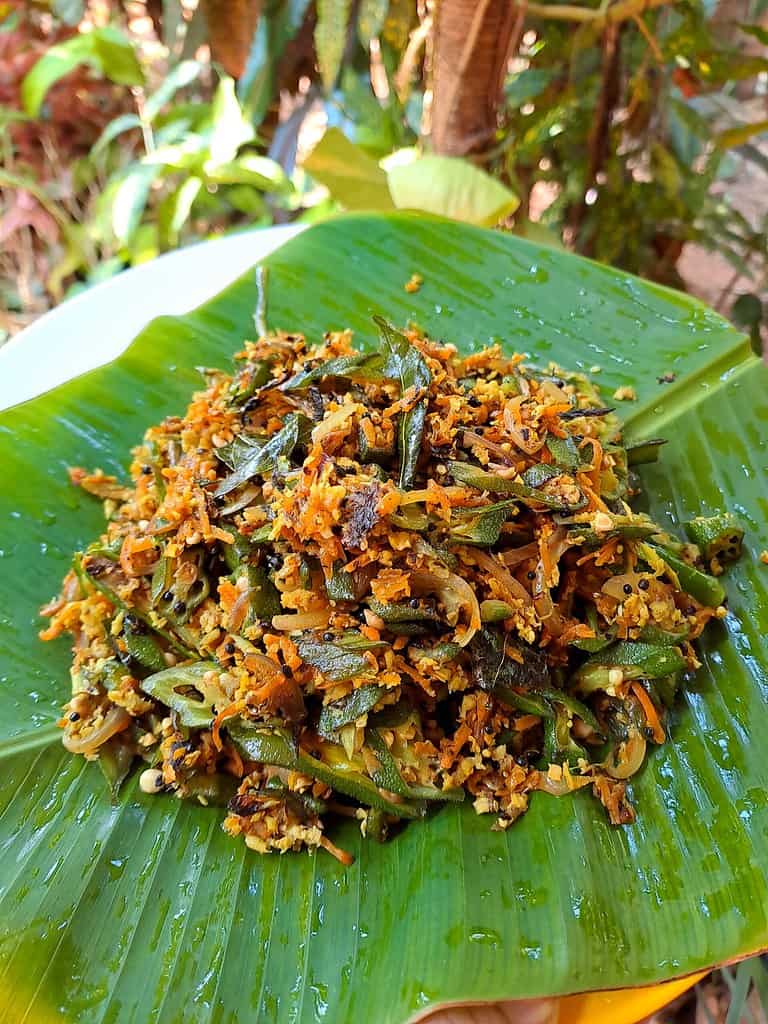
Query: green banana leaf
x=145 y=910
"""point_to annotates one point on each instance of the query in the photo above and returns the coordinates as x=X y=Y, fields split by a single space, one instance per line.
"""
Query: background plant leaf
x=351 y=176
x=107 y=50
x=146 y=910
x=331 y=37
x=452 y=188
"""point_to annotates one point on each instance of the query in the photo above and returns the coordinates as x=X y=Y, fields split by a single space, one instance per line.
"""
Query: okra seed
x=151 y=780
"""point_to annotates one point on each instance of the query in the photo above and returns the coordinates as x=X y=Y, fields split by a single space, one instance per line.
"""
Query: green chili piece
x=495 y=611
x=264 y=595
x=642 y=452
x=84 y=578
x=110 y=550
x=440 y=653
x=410 y=517
x=342 y=712
x=178 y=688
x=665 y=688
x=475 y=476
x=636 y=660
x=397 y=613
x=392 y=715
x=267 y=744
x=345 y=586
x=704 y=588
x=570 y=703
x=559 y=746
x=388 y=775
x=215 y=790
x=528 y=703
x=599 y=640
x=351 y=640
x=662 y=638
x=719 y=536
x=380 y=454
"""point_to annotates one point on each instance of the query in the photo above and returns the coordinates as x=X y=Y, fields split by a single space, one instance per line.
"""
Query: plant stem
x=620 y=11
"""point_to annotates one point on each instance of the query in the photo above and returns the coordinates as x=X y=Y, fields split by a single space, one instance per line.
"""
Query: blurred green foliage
x=627 y=130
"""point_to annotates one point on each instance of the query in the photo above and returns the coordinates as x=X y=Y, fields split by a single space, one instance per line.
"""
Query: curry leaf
x=264 y=459
x=348 y=709
x=404 y=362
x=333 y=661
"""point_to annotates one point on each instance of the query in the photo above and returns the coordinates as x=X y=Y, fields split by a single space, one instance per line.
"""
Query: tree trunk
x=231 y=24
x=472 y=42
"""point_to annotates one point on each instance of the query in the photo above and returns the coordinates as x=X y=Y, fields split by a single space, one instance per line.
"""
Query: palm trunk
x=472 y=43
x=231 y=24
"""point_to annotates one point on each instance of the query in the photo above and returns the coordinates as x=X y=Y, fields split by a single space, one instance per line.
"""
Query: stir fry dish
x=363 y=584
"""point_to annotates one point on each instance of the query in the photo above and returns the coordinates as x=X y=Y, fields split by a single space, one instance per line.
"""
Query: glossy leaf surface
x=147 y=911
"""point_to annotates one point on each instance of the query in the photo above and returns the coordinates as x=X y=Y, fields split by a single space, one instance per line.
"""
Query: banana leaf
x=145 y=910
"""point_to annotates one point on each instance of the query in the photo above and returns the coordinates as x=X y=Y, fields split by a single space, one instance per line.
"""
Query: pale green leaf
x=453 y=188
x=370 y=19
x=130 y=199
x=350 y=175
x=740 y=134
x=175 y=209
x=250 y=169
x=186 y=155
x=182 y=75
x=55 y=63
x=276 y=27
x=757 y=32
x=331 y=37
x=231 y=129
x=118 y=125
x=117 y=57
x=68 y=11
x=106 y=49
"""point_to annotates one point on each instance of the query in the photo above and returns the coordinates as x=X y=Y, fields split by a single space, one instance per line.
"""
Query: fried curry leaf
x=476 y=476
x=404 y=362
x=333 y=661
x=497 y=662
x=348 y=709
x=264 y=459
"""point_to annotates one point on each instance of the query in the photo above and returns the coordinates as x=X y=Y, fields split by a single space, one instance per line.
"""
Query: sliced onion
x=244 y=498
x=456 y=595
x=238 y=611
x=471 y=438
x=503 y=577
x=115 y=720
x=514 y=556
x=302 y=620
x=561 y=787
x=530 y=445
x=627 y=758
